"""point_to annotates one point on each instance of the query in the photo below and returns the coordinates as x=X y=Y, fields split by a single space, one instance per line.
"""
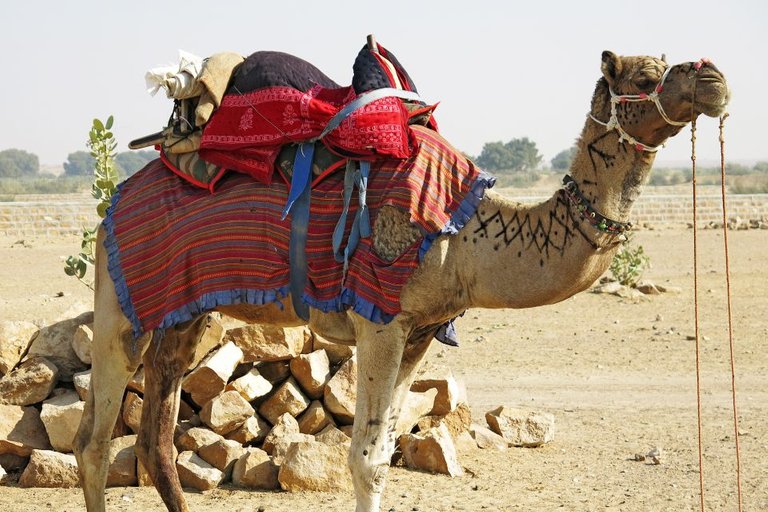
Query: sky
x=499 y=69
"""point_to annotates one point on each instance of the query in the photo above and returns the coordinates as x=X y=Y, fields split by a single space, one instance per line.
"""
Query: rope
x=696 y=310
x=729 y=305
x=730 y=315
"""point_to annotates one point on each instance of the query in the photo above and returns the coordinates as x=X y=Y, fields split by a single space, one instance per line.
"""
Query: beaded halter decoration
x=596 y=219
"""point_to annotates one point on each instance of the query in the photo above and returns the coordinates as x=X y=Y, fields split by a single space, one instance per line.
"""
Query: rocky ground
x=618 y=374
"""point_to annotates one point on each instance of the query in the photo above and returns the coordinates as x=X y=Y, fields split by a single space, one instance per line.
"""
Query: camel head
x=648 y=101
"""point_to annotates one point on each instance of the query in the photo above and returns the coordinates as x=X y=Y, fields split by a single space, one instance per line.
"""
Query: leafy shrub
x=629 y=264
x=43 y=185
x=755 y=184
x=102 y=145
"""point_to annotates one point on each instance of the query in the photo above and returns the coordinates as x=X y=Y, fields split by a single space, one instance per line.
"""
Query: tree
x=128 y=162
x=16 y=163
x=761 y=167
x=562 y=161
x=517 y=155
x=494 y=156
x=525 y=154
x=79 y=163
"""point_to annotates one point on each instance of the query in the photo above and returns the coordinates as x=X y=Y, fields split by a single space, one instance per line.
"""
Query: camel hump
x=277 y=69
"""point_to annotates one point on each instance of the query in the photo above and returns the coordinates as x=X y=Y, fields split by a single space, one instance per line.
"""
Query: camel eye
x=643 y=83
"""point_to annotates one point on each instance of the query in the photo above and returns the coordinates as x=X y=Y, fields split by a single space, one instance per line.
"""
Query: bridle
x=617 y=99
x=571 y=190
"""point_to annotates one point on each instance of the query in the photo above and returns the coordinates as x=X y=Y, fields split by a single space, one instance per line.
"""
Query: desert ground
x=617 y=374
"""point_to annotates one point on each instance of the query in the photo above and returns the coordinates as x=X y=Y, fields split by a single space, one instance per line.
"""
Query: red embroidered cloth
x=246 y=132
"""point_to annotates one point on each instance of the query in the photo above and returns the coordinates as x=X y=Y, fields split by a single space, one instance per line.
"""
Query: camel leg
x=164 y=367
x=413 y=356
x=115 y=358
x=379 y=353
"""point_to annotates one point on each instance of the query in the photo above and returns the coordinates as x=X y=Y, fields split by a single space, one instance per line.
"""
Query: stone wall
x=48 y=216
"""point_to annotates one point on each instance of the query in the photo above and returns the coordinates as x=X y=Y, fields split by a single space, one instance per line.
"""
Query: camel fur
x=508 y=256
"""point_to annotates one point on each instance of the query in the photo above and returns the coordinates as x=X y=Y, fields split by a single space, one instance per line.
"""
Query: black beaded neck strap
x=587 y=211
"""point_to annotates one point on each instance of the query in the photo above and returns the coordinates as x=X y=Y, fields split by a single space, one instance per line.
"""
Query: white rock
x=457 y=421
x=15 y=337
x=31 y=382
x=417 y=405
x=226 y=412
x=253 y=431
x=61 y=416
x=211 y=376
x=122 y=462
x=284 y=426
x=336 y=352
x=21 y=431
x=340 y=394
x=3 y=476
x=47 y=468
x=82 y=341
x=283 y=444
x=520 y=427
x=312 y=372
x=288 y=398
x=268 y=343
x=195 y=438
x=54 y=342
x=251 y=385
x=194 y=472
x=432 y=450
x=486 y=438
x=222 y=455
x=255 y=470
x=82 y=382
x=312 y=466
x=314 y=419
x=132 y=407
x=448 y=390
x=332 y=435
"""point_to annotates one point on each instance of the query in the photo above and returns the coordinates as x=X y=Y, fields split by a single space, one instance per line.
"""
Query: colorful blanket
x=176 y=250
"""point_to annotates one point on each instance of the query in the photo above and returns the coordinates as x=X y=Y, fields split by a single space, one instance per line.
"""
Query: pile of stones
x=262 y=407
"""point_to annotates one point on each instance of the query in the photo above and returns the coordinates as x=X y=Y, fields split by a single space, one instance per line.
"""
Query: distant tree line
x=17 y=163
x=519 y=156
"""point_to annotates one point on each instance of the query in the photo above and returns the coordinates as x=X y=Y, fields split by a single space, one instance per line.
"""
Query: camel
x=509 y=255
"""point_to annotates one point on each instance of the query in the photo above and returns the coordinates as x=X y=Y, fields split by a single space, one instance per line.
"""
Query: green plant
x=629 y=264
x=102 y=145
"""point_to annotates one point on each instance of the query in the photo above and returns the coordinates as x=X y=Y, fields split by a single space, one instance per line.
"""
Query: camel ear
x=611 y=66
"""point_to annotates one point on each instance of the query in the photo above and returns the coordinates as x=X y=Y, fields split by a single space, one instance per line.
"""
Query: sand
x=618 y=375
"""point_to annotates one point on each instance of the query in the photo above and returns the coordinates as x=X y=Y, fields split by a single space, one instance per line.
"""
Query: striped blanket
x=176 y=250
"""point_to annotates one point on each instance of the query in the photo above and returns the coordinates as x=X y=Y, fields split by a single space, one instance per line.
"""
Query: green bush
x=755 y=184
x=102 y=144
x=629 y=264
x=43 y=185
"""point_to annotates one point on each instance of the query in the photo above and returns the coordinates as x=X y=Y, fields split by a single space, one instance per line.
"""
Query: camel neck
x=529 y=255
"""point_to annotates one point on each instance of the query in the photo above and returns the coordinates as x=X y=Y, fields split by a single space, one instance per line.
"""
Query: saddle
x=274 y=99
x=281 y=112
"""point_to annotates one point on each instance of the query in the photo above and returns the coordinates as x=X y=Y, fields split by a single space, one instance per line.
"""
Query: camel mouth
x=712 y=95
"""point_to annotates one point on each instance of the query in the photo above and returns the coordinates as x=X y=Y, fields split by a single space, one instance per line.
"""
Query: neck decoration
x=582 y=205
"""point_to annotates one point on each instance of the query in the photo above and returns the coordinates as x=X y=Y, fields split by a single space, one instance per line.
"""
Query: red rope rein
x=696 y=312
x=730 y=315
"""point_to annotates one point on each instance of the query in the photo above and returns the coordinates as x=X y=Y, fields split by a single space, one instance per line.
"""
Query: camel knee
x=369 y=465
x=369 y=477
